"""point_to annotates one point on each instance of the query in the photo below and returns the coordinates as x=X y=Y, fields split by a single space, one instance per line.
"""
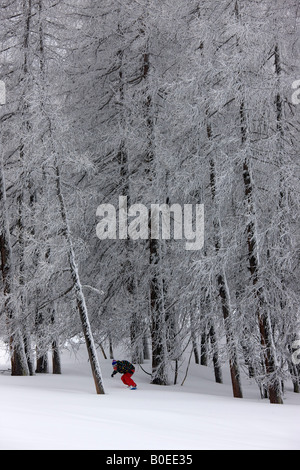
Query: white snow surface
x=63 y=412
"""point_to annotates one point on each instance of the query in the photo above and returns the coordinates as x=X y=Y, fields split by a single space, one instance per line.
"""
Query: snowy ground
x=63 y=412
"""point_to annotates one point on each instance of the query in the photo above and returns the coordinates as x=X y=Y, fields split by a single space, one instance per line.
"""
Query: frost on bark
x=19 y=364
x=159 y=374
x=224 y=294
x=158 y=321
x=272 y=380
x=81 y=304
x=265 y=331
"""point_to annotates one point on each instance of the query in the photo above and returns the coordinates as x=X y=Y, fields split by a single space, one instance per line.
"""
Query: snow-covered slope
x=64 y=412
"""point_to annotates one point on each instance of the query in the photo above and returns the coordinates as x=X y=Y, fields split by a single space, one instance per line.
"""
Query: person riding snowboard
x=127 y=369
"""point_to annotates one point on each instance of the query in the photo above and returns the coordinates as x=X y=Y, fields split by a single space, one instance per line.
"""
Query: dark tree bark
x=56 y=362
x=19 y=365
x=215 y=355
x=274 y=385
x=159 y=374
x=224 y=293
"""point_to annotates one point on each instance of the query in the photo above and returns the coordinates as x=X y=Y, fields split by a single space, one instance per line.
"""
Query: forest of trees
x=162 y=102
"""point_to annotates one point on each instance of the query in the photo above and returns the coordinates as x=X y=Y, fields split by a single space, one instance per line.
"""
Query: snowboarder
x=127 y=369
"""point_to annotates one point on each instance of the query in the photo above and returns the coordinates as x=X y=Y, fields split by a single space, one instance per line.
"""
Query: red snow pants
x=127 y=380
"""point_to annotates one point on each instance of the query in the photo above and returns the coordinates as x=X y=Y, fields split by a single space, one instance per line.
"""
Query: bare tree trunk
x=17 y=346
x=111 y=350
x=215 y=355
x=19 y=365
x=56 y=362
x=203 y=354
x=224 y=293
x=233 y=360
x=159 y=373
x=274 y=386
x=83 y=313
x=294 y=370
x=42 y=364
x=194 y=337
x=158 y=323
x=146 y=352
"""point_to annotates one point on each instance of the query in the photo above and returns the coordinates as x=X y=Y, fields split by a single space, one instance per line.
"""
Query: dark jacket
x=122 y=367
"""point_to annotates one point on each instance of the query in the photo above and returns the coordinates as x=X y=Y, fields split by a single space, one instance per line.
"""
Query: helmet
x=114 y=362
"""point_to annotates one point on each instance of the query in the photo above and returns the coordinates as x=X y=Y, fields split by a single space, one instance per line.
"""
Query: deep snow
x=64 y=412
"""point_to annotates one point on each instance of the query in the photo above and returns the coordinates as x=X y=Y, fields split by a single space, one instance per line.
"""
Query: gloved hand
x=112 y=375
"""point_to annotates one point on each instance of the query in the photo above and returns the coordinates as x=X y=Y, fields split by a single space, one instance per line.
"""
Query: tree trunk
x=195 y=350
x=159 y=354
x=215 y=355
x=19 y=365
x=42 y=364
x=158 y=323
x=294 y=370
x=194 y=337
x=203 y=344
x=56 y=362
x=146 y=352
x=224 y=292
x=231 y=347
x=83 y=313
x=274 y=385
